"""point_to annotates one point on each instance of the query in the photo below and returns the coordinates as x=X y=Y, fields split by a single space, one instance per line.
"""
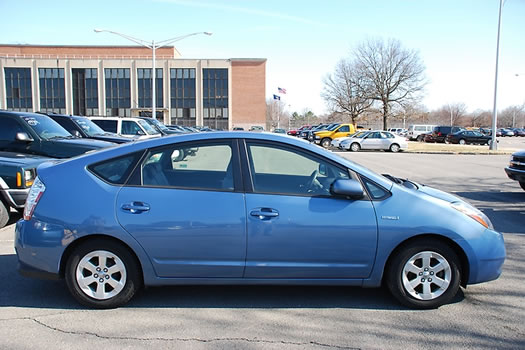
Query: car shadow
x=34 y=293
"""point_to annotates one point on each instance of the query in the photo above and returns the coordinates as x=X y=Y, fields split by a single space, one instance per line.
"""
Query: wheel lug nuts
x=421 y=274
x=422 y=280
x=98 y=269
x=105 y=270
x=107 y=277
x=430 y=279
x=95 y=275
x=426 y=268
x=432 y=273
x=101 y=280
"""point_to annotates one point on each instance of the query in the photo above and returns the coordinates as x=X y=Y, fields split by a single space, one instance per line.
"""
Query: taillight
x=439 y=133
x=35 y=193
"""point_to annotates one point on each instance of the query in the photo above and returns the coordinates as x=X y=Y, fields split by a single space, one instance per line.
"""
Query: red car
x=296 y=132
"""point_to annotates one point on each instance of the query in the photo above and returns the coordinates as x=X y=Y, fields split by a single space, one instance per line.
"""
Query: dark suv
x=440 y=132
x=33 y=133
x=84 y=127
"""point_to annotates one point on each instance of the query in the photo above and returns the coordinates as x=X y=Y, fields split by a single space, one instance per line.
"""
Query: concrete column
x=167 y=92
x=133 y=85
x=198 y=94
x=3 y=94
x=68 y=85
x=101 y=89
x=36 y=87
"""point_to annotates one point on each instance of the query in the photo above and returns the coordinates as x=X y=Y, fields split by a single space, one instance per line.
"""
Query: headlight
x=473 y=213
x=317 y=137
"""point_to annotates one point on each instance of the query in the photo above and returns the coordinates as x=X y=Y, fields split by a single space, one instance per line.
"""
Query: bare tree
x=457 y=112
x=480 y=118
x=276 y=115
x=392 y=73
x=343 y=91
x=511 y=116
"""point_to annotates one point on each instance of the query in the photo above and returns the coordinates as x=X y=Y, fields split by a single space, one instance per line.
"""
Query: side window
x=107 y=125
x=9 y=128
x=195 y=166
x=286 y=171
x=376 y=192
x=131 y=128
x=344 y=128
x=117 y=170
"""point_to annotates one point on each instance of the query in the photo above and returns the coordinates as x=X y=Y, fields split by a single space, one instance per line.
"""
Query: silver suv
x=129 y=127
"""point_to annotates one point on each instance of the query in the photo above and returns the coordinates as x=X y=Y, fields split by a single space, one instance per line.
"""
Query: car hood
x=112 y=138
x=66 y=148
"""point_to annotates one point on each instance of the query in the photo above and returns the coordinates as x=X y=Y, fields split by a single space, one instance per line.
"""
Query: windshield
x=46 y=127
x=361 y=134
x=156 y=123
x=333 y=127
x=149 y=129
x=90 y=128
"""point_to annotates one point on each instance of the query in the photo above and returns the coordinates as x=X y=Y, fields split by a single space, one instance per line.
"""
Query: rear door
x=184 y=206
x=296 y=228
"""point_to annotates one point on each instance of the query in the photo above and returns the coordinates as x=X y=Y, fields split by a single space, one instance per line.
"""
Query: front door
x=296 y=228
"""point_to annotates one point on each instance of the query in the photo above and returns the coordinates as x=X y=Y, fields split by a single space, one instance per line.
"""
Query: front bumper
x=15 y=197
x=515 y=174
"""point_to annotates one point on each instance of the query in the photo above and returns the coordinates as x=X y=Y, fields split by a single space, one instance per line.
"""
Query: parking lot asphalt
x=38 y=314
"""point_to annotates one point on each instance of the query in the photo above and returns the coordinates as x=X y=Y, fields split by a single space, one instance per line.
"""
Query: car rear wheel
x=355 y=147
x=394 y=148
x=102 y=274
x=424 y=275
x=462 y=142
x=420 y=138
x=326 y=142
x=522 y=184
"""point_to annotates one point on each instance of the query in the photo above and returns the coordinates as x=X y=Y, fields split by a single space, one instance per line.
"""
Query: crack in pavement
x=254 y=340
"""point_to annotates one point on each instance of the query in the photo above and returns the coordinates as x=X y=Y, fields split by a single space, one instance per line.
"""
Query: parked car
x=83 y=127
x=131 y=127
x=311 y=133
x=325 y=137
x=440 y=132
x=289 y=213
x=375 y=140
x=505 y=132
x=256 y=128
x=415 y=131
x=163 y=129
x=428 y=137
x=34 y=133
x=398 y=131
x=468 y=136
x=297 y=132
x=238 y=128
x=279 y=131
x=516 y=169
x=17 y=173
x=518 y=132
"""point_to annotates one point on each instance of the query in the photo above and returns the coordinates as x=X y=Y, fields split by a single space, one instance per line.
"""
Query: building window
x=118 y=94
x=85 y=91
x=182 y=85
x=18 y=89
x=215 y=97
x=145 y=89
x=52 y=90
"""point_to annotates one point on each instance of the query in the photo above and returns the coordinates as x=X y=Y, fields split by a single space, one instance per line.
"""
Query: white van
x=129 y=127
x=415 y=132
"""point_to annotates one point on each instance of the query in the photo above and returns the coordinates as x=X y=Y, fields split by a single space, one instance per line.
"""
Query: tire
x=462 y=142
x=109 y=289
x=407 y=270
x=419 y=138
x=326 y=142
x=522 y=184
x=394 y=148
x=355 y=147
x=4 y=213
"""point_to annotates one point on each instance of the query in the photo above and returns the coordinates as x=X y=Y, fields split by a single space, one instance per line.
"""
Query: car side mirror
x=23 y=137
x=351 y=188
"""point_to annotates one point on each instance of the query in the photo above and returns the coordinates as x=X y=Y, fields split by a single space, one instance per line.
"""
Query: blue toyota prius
x=246 y=208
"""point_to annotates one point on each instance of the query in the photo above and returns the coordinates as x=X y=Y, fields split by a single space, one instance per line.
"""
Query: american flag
x=281 y=90
x=276 y=97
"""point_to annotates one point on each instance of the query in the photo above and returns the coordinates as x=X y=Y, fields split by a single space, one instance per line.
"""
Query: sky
x=303 y=40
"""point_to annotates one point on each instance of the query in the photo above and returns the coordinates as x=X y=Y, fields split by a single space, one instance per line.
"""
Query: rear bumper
x=32 y=272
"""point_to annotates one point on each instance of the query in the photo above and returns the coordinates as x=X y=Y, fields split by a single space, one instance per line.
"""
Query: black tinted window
x=9 y=128
x=107 y=125
x=116 y=170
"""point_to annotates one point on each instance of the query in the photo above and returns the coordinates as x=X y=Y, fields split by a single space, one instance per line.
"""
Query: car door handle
x=136 y=207
x=264 y=213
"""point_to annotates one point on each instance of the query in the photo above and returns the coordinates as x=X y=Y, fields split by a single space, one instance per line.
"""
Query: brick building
x=117 y=81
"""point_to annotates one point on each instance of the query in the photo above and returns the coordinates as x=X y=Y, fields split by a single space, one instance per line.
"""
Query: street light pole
x=494 y=144
x=153 y=46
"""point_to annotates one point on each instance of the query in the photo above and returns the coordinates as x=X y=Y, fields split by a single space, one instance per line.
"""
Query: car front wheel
x=102 y=274
x=326 y=142
x=355 y=147
x=424 y=275
x=522 y=184
x=462 y=142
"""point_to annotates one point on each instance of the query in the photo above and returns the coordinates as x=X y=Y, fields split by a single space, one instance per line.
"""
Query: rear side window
x=107 y=125
x=117 y=170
